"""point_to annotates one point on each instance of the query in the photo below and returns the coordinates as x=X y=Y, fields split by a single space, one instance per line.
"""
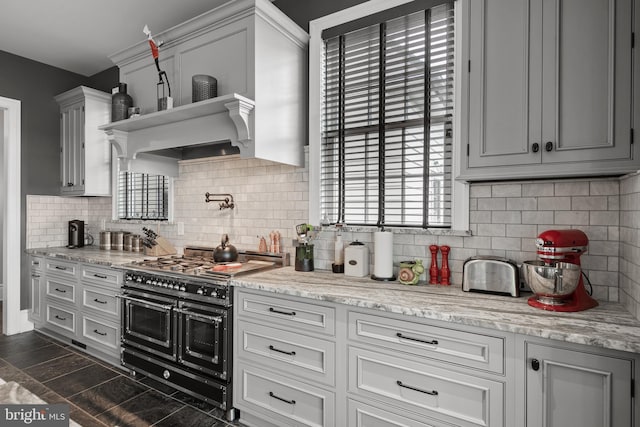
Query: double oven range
x=177 y=320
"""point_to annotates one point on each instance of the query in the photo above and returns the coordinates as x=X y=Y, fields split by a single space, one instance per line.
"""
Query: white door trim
x=11 y=322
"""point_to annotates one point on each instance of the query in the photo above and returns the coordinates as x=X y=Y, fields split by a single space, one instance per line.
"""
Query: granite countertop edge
x=607 y=326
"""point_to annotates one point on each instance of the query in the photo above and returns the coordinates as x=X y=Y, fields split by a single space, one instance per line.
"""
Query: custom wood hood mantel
x=225 y=117
x=258 y=57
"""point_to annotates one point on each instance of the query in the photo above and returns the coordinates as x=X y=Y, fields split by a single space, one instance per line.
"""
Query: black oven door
x=149 y=323
x=205 y=338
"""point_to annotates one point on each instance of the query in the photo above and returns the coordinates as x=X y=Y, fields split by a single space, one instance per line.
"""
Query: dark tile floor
x=98 y=394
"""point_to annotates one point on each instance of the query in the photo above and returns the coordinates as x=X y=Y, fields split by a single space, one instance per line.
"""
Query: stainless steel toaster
x=492 y=275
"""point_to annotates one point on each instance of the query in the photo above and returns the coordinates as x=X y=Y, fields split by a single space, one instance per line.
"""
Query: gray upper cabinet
x=85 y=153
x=549 y=89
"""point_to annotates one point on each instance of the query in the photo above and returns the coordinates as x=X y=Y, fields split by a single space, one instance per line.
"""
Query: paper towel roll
x=383 y=255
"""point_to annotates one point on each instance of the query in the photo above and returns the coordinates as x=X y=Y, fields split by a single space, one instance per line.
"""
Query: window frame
x=158 y=168
x=460 y=190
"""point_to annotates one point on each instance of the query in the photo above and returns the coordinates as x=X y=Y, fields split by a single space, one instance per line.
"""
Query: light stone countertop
x=609 y=325
x=90 y=254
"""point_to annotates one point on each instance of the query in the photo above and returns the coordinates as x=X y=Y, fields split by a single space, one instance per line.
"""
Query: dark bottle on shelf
x=120 y=103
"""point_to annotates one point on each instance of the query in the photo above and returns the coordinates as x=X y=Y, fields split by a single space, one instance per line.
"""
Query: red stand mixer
x=554 y=249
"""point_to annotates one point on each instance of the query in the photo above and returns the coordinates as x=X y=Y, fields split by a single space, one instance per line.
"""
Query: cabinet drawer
x=61 y=268
x=61 y=318
x=36 y=263
x=101 y=300
x=291 y=402
x=60 y=290
x=101 y=332
x=299 y=315
x=363 y=415
x=450 y=345
x=101 y=276
x=289 y=352
x=432 y=391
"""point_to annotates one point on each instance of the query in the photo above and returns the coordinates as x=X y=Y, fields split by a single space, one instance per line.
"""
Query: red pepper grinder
x=445 y=272
x=433 y=270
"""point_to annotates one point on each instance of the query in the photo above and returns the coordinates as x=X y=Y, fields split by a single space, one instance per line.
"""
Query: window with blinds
x=143 y=196
x=387 y=121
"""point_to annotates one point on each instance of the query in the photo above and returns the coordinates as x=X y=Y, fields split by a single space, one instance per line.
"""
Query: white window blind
x=143 y=196
x=387 y=122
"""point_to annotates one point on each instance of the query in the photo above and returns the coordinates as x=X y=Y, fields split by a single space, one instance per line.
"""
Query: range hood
x=213 y=127
x=258 y=56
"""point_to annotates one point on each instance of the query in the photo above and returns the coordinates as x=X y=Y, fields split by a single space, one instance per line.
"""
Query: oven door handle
x=145 y=302
x=216 y=319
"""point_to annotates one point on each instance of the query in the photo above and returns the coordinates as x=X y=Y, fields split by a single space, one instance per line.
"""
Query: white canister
x=383 y=255
x=356 y=260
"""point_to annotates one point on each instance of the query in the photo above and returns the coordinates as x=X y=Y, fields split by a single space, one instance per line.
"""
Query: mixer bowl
x=551 y=281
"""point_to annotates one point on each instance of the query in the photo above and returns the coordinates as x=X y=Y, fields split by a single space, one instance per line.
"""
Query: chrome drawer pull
x=98 y=301
x=61 y=290
x=432 y=342
x=290 y=313
x=104 y=334
x=290 y=402
x=60 y=318
x=61 y=268
x=100 y=276
x=431 y=393
x=290 y=353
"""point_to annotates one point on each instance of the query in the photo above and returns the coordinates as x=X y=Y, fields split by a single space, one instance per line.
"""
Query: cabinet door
x=586 y=109
x=549 y=89
x=37 y=281
x=501 y=88
x=72 y=148
x=566 y=388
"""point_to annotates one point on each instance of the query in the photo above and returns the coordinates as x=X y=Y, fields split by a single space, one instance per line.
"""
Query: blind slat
x=396 y=171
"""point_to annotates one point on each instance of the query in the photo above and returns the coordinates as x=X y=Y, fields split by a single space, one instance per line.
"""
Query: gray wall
x=35 y=84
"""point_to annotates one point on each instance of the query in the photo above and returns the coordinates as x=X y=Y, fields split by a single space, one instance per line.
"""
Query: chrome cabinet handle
x=61 y=290
x=60 y=318
x=215 y=319
x=98 y=301
x=104 y=334
x=289 y=353
x=145 y=303
x=61 y=268
x=290 y=402
x=100 y=276
x=431 y=393
x=290 y=313
x=432 y=342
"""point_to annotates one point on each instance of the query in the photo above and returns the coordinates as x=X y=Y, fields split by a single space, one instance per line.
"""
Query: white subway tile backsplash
x=571 y=188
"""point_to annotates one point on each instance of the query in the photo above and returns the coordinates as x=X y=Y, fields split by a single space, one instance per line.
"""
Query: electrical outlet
x=180 y=228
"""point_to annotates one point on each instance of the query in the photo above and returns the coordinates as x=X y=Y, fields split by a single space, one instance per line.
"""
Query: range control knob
x=214 y=294
x=139 y=279
x=183 y=288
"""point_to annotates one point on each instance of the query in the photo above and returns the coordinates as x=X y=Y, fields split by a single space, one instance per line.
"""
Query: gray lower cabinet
x=305 y=362
x=569 y=386
x=36 y=281
x=285 y=361
x=77 y=301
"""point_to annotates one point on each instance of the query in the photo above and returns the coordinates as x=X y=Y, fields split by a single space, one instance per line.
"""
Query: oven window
x=202 y=338
x=149 y=322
